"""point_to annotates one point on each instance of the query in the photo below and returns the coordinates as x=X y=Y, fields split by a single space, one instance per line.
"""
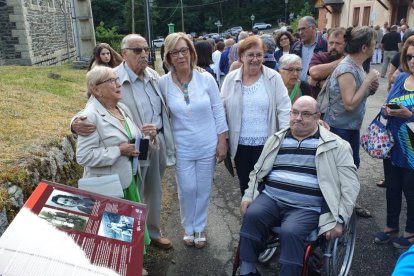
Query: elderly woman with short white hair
x=290 y=67
x=269 y=58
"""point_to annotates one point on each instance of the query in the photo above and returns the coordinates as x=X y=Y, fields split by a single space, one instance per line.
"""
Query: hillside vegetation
x=35 y=109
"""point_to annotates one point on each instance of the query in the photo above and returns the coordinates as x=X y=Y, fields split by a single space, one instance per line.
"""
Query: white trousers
x=194 y=178
x=376 y=58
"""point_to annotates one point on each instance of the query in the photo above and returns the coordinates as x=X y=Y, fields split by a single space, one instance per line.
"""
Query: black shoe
x=252 y=274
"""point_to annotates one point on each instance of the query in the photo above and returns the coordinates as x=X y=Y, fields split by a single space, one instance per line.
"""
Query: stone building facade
x=35 y=32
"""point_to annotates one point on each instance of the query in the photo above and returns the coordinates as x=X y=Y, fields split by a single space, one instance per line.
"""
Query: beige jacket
x=337 y=175
x=232 y=97
x=99 y=152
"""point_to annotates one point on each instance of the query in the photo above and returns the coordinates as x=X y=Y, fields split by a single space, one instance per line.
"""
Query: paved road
x=224 y=223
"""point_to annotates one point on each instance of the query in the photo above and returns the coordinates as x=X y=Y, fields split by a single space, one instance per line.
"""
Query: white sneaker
x=144 y=272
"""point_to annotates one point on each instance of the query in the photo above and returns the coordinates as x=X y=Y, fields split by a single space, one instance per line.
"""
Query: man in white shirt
x=216 y=60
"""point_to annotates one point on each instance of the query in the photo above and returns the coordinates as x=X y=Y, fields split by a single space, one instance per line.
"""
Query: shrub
x=108 y=35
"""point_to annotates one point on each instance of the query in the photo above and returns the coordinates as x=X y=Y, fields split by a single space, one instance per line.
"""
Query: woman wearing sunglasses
x=399 y=169
x=199 y=130
x=256 y=104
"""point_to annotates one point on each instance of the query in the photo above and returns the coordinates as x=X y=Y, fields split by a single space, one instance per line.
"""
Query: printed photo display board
x=62 y=230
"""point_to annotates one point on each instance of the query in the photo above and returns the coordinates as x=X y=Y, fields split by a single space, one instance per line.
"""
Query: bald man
x=233 y=55
x=315 y=186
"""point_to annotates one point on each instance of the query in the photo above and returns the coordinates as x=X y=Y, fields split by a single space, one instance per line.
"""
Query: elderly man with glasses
x=309 y=182
x=310 y=42
x=140 y=93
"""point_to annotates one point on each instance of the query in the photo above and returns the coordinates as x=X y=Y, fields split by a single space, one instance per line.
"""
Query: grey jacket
x=232 y=97
x=337 y=175
x=99 y=153
x=128 y=98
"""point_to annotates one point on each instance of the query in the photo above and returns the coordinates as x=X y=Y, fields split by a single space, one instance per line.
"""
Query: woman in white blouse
x=199 y=130
x=257 y=105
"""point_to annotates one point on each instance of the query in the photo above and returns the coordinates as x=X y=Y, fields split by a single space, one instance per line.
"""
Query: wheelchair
x=321 y=257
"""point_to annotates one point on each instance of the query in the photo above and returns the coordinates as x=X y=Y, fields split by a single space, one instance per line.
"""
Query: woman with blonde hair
x=199 y=129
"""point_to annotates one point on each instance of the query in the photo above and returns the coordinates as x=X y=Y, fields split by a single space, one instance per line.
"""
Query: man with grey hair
x=390 y=44
x=311 y=42
x=233 y=55
x=224 y=59
x=140 y=93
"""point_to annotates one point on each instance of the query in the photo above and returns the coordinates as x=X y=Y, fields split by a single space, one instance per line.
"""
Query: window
x=366 y=16
x=355 y=19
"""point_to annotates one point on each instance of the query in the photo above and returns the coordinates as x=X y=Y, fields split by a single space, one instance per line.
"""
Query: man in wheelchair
x=310 y=182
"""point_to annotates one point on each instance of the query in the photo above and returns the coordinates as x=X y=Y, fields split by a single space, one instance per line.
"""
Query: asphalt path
x=224 y=222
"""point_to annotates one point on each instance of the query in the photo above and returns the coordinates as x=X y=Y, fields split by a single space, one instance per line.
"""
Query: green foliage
x=306 y=10
x=108 y=35
x=199 y=15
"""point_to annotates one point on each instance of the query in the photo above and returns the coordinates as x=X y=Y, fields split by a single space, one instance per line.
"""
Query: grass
x=36 y=109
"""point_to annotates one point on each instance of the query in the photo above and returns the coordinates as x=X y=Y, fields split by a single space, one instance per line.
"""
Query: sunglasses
x=139 y=50
x=408 y=57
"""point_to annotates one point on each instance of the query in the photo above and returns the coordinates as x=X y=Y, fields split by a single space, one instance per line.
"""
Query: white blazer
x=99 y=153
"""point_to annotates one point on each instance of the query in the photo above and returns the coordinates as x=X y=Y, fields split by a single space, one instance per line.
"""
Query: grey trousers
x=388 y=55
x=295 y=225
x=151 y=191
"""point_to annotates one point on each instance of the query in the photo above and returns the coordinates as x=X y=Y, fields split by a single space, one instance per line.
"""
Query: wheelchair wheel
x=339 y=252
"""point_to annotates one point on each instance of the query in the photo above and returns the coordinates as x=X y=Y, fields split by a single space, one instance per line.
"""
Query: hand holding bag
x=377 y=140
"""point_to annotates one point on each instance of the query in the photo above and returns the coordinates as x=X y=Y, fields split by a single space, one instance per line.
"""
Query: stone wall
x=33 y=32
x=7 y=41
x=55 y=163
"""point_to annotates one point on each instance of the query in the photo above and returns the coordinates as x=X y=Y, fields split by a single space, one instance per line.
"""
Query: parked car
x=261 y=26
x=212 y=35
x=235 y=30
x=157 y=43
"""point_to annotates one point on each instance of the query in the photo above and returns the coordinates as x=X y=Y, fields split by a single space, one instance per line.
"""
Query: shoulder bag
x=377 y=140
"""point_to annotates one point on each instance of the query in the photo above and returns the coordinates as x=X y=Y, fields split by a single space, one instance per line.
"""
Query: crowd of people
x=256 y=101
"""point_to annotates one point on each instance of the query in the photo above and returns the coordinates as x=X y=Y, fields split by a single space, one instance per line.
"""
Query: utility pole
x=182 y=17
x=133 y=16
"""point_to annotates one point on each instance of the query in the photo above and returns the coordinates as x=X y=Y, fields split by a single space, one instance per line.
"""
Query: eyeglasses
x=304 y=114
x=409 y=57
x=251 y=56
x=139 y=50
x=183 y=51
x=303 y=29
x=111 y=81
x=291 y=70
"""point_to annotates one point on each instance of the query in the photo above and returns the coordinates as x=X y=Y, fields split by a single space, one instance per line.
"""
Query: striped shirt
x=293 y=178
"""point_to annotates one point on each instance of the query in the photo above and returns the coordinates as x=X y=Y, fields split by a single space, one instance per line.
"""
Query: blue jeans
x=352 y=137
x=398 y=181
x=295 y=225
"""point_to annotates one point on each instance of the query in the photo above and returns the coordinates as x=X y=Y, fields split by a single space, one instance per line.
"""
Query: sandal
x=385 y=237
x=188 y=240
x=403 y=243
x=362 y=212
x=200 y=241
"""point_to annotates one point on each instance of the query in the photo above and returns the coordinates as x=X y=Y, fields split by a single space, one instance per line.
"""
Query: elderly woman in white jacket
x=257 y=105
x=108 y=150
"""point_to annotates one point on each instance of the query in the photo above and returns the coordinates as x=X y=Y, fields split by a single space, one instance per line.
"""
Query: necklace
x=184 y=87
x=115 y=116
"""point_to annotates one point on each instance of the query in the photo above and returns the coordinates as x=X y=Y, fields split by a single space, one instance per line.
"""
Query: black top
x=390 y=41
